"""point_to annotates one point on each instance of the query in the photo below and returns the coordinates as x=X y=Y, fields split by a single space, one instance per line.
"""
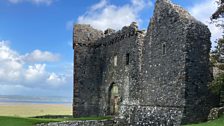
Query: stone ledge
x=81 y=123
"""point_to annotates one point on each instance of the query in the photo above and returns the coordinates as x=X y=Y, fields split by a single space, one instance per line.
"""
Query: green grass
x=217 y=122
x=19 y=121
x=17 y=114
x=22 y=121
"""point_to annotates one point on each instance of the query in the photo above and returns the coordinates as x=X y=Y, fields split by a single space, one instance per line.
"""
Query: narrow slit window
x=88 y=35
x=115 y=60
x=164 y=49
x=127 y=59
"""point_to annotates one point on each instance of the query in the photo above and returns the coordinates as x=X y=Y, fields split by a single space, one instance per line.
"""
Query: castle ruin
x=157 y=77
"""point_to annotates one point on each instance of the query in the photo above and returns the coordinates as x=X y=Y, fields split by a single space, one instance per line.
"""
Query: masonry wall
x=165 y=80
x=95 y=69
x=198 y=75
x=175 y=62
x=164 y=58
x=124 y=75
x=87 y=71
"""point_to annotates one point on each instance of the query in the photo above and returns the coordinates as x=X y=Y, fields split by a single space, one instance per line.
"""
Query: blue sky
x=36 y=55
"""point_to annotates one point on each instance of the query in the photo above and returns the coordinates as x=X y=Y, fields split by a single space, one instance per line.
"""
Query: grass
x=30 y=110
x=18 y=121
x=217 y=122
x=22 y=121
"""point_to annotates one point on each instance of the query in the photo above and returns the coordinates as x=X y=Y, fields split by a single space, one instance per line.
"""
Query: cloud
x=100 y=5
x=41 y=56
x=10 y=63
x=56 y=80
x=15 y=71
x=46 y=2
x=35 y=73
x=203 y=11
x=101 y=14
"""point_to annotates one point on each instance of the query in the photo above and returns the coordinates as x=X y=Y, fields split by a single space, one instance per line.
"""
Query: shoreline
x=34 y=103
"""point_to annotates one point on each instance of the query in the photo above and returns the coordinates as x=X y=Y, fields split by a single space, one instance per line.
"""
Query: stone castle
x=158 y=77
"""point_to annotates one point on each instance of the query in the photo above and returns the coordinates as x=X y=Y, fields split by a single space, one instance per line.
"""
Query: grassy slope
x=218 y=122
x=10 y=113
x=18 y=121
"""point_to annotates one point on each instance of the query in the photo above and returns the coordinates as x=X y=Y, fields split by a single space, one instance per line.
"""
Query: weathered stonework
x=215 y=113
x=158 y=77
x=80 y=123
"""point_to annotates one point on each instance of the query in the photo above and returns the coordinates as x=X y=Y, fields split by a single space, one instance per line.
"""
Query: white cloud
x=41 y=56
x=35 y=73
x=15 y=71
x=99 y=5
x=56 y=80
x=10 y=63
x=101 y=14
x=47 y=2
x=203 y=11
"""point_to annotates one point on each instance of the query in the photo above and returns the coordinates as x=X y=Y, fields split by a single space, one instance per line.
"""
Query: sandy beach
x=33 y=109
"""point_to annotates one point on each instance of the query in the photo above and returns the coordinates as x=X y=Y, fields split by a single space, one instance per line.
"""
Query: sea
x=35 y=99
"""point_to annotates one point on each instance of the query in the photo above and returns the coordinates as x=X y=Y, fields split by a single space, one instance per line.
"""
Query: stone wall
x=178 y=77
x=198 y=74
x=163 y=82
x=80 y=123
x=161 y=75
x=164 y=58
x=124 y=75
x=87 y=71
x=95 y=69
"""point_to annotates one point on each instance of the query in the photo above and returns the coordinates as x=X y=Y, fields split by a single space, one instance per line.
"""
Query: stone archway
x=113 y=99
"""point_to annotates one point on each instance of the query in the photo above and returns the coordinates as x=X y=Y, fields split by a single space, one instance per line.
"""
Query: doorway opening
x=113 y=99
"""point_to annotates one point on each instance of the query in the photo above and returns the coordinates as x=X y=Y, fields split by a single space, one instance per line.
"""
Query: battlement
x=90 y=37
x=85 y=34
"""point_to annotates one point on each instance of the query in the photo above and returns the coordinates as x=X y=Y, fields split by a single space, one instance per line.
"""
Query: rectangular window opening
x=127 y=59
x=164 y=49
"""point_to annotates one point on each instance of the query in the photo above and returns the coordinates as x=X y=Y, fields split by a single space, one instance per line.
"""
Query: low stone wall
x=81 y=123
x=151 y=116
x=215 y=113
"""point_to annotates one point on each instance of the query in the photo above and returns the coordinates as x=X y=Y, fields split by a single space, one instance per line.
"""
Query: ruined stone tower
x=158 y=77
